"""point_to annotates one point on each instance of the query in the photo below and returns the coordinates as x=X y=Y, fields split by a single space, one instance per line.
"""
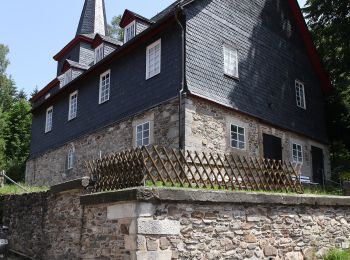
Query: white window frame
x=126 y=30
x=70 y=158
x=73 y=108
x=101 y=93
x=99 y=53
x=237 y=140
x=149 y=48
x=143 y=132
x=300 y=94
x=299 y=158
x=49 y=120
x=228 y=62
x=67 y=77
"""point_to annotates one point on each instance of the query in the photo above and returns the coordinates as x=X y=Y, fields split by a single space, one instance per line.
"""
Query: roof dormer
x=133 y=24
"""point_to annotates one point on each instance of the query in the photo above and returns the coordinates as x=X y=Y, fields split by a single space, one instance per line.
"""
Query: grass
x=9 y=189
x=337 y=254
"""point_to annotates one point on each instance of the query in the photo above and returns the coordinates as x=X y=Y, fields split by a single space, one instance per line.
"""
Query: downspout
x=183 y=79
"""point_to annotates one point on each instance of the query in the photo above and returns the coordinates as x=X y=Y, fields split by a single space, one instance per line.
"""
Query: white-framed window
x=73 y=105
x=105 y=85
x=129 y=31
x=143 y=134
x=153 y=59
x=297 y=151
x=300 y=94
x=237 y=137
x=70 y=158
x=99 y=53
x=230 y=61
x=67 y=77
x=48 y=122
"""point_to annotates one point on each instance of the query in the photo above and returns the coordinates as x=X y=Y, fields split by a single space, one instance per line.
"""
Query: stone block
x=154 y=255
x=158 y=227
x=130 y=210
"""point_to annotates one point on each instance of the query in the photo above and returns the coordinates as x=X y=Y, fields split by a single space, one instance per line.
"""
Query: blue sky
x=36 y=30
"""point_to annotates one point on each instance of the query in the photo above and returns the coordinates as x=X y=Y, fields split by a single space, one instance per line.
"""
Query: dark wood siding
x=130 y=93
x=271 y=57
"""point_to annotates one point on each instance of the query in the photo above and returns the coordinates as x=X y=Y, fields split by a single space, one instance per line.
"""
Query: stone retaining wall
x=165 y=224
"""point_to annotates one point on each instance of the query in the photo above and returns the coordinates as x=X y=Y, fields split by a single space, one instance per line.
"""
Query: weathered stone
x=294 y=256
x=270 y=250
x=158 y=227
x=250 y=238
x=130 y=210
x=152 y=244
x=164 y=243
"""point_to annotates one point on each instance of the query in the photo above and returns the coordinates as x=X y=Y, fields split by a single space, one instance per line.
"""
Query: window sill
x=101 y=103
x=231 y=77
x=147 y=78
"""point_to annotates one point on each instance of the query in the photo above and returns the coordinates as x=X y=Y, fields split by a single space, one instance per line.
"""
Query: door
x=272 y=147
x=317 y=165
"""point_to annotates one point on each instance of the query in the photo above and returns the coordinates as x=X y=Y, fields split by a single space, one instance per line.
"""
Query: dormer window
x=129 y=31
x=67 y=77
x=99 y=53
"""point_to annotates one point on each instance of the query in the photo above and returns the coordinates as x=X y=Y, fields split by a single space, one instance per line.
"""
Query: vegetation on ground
x=337 y=254
x=14 y=189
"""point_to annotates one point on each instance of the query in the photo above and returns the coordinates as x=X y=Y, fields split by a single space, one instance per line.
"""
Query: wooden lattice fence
x=159 y=166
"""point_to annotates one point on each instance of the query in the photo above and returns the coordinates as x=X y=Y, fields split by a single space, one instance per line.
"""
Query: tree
x=17 y=138
x=329 y=23
x=4 y=62
x=15 y=122
x=114 y=29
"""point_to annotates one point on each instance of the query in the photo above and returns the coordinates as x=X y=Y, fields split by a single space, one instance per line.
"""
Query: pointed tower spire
x=93 y=18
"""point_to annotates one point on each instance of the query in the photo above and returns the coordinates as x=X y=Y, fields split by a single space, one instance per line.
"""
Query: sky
x=38 y=29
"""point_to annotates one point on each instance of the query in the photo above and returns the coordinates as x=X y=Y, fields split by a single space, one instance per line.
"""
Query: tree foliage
x=114 y=29
x=329 y=23
x=15 y=122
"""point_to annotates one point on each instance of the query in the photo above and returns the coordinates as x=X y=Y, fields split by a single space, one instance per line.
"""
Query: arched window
x=70 y=158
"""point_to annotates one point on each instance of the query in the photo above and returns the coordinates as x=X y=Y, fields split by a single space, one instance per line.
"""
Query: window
x=297 y=153
x=129 y=31
x=73 y=105
x=143 y=134
x=99 y=53
x=48 y=124
x=153 y=59
x=300 y=94
x=105 y=83
x=70 y=158
x=237 y=137
x=230 y=61
x=67 y=77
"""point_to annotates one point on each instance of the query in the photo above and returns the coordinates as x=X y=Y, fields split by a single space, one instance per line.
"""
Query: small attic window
x=67 y=77
x=99 y=53
x=129 y=31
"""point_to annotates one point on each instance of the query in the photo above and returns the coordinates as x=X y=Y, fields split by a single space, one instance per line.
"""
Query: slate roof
x=105 y=38
x=77 y=65
x=93 y=18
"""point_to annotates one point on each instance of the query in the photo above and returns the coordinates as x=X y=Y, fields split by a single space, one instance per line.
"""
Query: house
x=225 y=76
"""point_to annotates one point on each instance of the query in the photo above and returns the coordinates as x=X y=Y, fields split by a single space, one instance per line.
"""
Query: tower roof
x=93 y=18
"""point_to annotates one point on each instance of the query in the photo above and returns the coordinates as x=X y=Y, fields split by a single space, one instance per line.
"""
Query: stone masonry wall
x=25 y=217
x=207 y=127
x=44 y=225
x=51 y=167
x=168 y=224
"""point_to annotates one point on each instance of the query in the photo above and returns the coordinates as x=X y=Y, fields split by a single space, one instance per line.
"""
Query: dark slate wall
x=130 y=93
x=271 y=57
x=72 y=55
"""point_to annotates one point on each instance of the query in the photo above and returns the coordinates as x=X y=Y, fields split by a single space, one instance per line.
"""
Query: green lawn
x=14 y=189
